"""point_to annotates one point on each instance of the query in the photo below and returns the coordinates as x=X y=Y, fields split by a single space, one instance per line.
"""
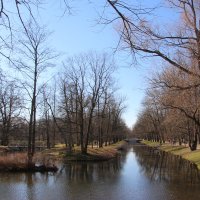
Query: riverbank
x=18 y=162
x=183 y=151
x=48 y=159
x=59 y=152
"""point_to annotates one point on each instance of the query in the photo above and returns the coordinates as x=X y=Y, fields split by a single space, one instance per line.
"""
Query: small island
x=45 y=160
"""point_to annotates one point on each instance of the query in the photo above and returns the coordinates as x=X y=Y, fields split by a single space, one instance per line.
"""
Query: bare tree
x=34 y=57
x=13 y=15
x=46 y=116
x=87 y=77
x=140 y=36
x=185 y=101
x=171 y=108
x=10 y=107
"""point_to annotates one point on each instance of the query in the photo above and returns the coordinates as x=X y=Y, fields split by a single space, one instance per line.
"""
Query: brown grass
x=18 y=162
x=50 y=157
x=59 y=152
x=96 y=154
x=13 y=160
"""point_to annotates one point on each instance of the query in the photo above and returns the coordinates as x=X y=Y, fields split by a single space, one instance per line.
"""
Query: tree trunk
x=193 y=143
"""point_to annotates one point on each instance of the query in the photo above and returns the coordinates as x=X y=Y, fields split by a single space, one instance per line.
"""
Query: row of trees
x=78 y=107
x=171 y=109
x=171 y=106
x=88 y=105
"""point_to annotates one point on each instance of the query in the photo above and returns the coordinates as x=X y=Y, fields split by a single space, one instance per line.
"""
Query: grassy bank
x=93 y=154
x=47 y=159
x=17 y=162
x=183 y=151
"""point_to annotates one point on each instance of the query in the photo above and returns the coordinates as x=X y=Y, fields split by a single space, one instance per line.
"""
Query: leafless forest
x=80 y=106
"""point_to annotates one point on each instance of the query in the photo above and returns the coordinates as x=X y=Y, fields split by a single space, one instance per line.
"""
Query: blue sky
x=79 y=32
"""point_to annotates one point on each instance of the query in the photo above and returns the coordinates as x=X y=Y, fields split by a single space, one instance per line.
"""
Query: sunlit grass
x=93 y=153
x=193 y=156
x=174 y=149
x=150 y=143
x=60 y=145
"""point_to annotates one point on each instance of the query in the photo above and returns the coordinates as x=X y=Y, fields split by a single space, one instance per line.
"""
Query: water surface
x=140 y=174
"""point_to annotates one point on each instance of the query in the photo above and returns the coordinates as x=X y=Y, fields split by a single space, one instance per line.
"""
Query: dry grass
x=177 y=150
x=93 y=154
x=49 y=157
x=150 y=143
x=60 y=145
x=13 y=160
x=3 y=149
x=18 y=162
x=193 y=156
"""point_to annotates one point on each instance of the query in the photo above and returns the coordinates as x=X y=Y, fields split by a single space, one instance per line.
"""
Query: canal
x=141 y=173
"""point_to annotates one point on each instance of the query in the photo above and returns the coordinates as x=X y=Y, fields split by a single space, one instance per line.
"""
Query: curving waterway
x=140 y=173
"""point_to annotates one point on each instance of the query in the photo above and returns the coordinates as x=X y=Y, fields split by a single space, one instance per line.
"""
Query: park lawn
x=150 y=143
x=194 y=157
x=177 y=150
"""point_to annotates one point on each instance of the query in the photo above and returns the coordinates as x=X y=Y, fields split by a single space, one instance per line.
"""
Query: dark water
x=139 y=174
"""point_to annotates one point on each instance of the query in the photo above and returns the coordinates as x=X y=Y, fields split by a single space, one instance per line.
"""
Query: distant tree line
x=78 y=107
x=86 y=110
x=171 y=109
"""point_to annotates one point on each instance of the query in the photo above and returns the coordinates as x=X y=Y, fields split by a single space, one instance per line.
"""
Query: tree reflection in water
x=92 y=171
x=140 y=174
x=163 y=166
